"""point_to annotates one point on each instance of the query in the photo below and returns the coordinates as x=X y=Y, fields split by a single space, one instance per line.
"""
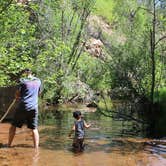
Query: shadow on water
x=149 y=120
x=156 y=118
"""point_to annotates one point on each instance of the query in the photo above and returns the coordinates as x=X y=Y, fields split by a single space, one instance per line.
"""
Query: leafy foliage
x=50 y=37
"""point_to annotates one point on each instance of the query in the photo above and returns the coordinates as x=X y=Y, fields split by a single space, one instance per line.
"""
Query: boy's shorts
x=26 y=117
x=78 y=144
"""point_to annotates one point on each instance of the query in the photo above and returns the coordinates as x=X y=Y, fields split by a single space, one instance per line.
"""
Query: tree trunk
x=152 y=52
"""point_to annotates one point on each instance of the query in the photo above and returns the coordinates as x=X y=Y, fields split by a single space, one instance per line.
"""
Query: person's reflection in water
x=35 y=157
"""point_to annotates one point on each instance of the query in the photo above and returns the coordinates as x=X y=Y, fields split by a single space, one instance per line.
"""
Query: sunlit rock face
x=99 y=31
x=94 y=47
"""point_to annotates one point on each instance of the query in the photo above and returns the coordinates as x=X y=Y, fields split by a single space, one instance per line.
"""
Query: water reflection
x=104 y=129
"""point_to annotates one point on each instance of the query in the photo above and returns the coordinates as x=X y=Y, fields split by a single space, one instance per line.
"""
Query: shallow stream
x=108 y=142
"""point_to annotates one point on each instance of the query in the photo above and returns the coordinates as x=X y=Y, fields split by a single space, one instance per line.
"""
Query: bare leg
x=12 y=132
x=35 y=135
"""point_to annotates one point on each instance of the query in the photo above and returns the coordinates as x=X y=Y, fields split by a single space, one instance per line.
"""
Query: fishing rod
x=8 y=110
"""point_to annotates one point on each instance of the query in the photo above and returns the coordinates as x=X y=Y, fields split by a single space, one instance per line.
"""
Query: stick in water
x=11 y=105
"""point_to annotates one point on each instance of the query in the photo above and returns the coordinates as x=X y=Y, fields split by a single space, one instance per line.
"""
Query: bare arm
x=72 y=130
x=86 y=125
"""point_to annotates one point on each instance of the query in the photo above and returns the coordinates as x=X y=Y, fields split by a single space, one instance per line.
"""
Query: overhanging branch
x=162 y=38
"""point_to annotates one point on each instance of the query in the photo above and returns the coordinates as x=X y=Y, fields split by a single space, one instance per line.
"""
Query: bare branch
x=122 y=115
x=139 y=8
x=82 y=47
x=146 y=9
x=162 y=38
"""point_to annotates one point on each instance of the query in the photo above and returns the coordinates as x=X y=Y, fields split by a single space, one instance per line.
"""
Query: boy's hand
x=89 y=125
x=69 y=135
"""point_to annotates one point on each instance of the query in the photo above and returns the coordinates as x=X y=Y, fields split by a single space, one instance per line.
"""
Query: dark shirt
x=29 y=89
x=79 y=129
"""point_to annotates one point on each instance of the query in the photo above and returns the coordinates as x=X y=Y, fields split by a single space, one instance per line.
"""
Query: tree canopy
x=52 y=38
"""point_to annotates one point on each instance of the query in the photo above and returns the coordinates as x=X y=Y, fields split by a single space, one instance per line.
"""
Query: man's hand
x=17 y=95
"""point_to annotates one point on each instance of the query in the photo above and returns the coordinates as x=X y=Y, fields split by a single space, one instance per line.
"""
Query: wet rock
x=79 y=92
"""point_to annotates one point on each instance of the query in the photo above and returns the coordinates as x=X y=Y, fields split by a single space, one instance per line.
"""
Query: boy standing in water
x=78 y=127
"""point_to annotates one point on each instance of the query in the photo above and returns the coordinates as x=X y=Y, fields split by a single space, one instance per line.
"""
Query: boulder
x=94 y=47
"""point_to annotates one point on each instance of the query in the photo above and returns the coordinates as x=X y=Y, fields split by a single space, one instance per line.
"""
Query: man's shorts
x=26 y=117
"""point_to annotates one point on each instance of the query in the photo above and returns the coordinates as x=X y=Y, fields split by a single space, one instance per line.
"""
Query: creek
x=110 y=141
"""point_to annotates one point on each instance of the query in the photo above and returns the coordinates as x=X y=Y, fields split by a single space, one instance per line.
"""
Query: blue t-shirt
x=29 y=89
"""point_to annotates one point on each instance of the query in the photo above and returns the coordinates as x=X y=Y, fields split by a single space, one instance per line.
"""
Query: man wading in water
x=27 y=110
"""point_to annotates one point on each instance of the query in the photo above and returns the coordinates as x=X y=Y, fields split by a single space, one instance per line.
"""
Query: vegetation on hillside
x=50 y=37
